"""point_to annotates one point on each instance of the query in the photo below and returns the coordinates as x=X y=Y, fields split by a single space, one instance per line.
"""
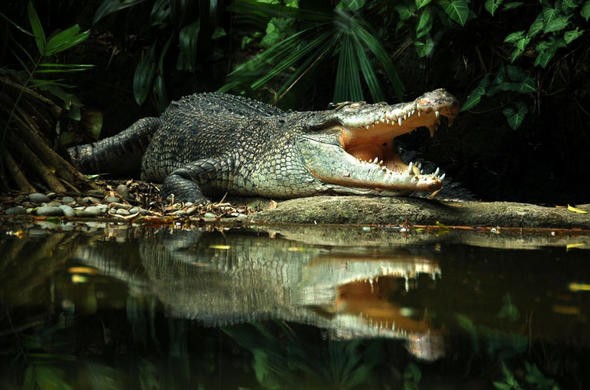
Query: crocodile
x=212 y=144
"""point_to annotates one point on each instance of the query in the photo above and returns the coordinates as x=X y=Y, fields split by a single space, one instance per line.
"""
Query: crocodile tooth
x=381 y=162
x=436 y=172
x=419 y=113
x=410 y=168
x=399 y=121
x=442 y=177
x=376 y=160
x=417 y=171
x=437 y=113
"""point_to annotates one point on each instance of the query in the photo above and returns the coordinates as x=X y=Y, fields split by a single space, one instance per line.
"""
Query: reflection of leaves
x=45 y=377
x=509 y=383
x=508 y=311
x=281 y=357
x=468 y=325
x=412 y=377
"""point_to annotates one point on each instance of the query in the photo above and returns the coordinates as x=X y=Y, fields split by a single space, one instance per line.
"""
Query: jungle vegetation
x=74 y=71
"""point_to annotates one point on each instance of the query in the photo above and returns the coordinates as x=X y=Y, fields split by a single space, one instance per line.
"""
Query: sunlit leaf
x=382 y=57
x=422 y=3
x=425 y=47
x=576 y=210
x=515 y=36
x=512 y=5
x=348 y=82
x=424 y=23
x=585 y=11
x=37 y=28
x=570 y=36
x=476 y=94
x=65 y=39
x=457 y=10
x=550 y=16
x=515 y=115
x=492 y=6
x=537 y=26
x=108 y=7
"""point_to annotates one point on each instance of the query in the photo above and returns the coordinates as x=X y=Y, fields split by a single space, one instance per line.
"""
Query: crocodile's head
x=350 y=148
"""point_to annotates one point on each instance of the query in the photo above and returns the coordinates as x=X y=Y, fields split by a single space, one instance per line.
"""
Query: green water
x=99 y=306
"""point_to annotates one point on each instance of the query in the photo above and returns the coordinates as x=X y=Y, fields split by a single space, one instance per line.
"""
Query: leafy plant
x=318 y=36
x=26 y=113
x=190 y=25
x=429 y=18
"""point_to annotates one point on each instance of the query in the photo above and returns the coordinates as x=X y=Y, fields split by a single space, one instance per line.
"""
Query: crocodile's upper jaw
x=362 y=154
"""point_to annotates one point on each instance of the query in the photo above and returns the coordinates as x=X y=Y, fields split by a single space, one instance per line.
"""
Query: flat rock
x=16 y=210
x=38 y=198
x=49 y=211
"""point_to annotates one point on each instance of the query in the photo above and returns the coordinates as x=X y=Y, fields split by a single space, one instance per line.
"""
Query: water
x=103 y=306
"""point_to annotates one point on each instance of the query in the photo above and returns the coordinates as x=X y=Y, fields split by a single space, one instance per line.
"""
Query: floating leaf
x=576 y=210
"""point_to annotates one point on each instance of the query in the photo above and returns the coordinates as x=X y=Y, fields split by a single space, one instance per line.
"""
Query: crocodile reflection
x=228 y=278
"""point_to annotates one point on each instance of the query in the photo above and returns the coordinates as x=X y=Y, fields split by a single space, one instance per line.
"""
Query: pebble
x=122 y=212
x=67 y=210
x=49 y=211
x=16 y=210
x=90 y=211
x=112 y=199
x=209 y=215
x=90 y=200
x=123 y=190
x=37 y=197
x=134 y=210
x=68 y=200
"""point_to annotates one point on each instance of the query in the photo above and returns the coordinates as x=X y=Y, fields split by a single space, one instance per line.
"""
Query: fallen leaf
x=576 y=210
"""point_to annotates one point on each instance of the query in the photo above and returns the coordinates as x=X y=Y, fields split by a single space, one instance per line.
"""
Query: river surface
x=104 y=306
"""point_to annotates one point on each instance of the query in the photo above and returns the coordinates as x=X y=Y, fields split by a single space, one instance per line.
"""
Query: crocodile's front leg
x=186 y=184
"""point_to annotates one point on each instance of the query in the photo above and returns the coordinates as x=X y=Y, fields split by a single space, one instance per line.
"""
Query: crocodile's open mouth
x=367 y=138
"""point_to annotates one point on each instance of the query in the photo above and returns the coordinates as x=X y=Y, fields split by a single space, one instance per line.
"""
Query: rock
x=90 y=200
x=68 y=200
x=53 y=203
x=134 y=210
x=38 y=198
x=90 y=211
x=16 y=210
x=49 y=211
x=67 y=210
x=123 y=190
x=122 y=212
x=209 y=215
x=112 y=199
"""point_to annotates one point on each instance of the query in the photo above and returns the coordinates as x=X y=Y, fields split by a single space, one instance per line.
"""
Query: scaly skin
x=212 y=144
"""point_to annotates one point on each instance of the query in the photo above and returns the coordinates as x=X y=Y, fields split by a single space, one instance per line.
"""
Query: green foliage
x=38 y=70
x=190 y=25
x=281 y=358
x=533 y=378
x=314 y=37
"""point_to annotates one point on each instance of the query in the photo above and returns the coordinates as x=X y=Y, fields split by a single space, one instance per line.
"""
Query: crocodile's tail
x=120 y=154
